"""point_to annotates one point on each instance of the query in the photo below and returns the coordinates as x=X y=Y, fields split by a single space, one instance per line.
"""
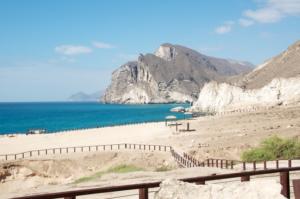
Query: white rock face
x=136 y=96
x=223 y=97
x=254 y=189
x=166 y=52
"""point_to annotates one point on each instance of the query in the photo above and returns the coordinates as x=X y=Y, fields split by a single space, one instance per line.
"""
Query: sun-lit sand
x=137 y=133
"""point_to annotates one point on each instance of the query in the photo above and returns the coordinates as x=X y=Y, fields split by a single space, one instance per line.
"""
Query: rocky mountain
x=276 y=82
x=172 y=74
x=84 y=97
x=284 y=65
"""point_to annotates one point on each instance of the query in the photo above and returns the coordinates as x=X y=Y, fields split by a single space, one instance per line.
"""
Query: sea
x=59 y=116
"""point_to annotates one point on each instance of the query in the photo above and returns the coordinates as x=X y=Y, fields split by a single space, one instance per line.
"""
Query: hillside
x=284 y=65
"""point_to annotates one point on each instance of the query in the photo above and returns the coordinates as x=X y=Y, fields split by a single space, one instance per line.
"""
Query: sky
x=52 y=49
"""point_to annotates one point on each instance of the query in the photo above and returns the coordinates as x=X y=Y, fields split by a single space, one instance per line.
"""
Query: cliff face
x=275 y=82
x=215 y=97
x=172 y=74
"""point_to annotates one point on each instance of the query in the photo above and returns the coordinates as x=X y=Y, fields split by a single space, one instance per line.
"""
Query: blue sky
x=52 y=49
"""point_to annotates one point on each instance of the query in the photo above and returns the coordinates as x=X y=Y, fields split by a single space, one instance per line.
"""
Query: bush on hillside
x=273 y=148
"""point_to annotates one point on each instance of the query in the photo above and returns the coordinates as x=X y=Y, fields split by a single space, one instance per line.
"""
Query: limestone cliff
x=172 y=74
x=215 y=97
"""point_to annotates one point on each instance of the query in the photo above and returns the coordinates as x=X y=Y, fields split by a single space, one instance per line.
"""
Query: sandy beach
x=136 y=133
x=225 y=135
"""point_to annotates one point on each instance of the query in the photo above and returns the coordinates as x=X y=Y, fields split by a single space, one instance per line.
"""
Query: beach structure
x=36 y=131
x=178 y=109
x=170 y=118
x=187 y=114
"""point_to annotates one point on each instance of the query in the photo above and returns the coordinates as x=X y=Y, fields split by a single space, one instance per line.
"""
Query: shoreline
x=95 y=117
x=82 y=129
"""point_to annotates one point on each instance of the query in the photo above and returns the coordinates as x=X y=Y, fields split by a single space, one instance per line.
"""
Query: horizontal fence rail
x=75 y=149
x=143 y=187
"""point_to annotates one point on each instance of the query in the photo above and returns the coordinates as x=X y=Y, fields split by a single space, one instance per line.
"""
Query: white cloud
x=245 y=22
x=72 y=50
x=225 y=28
x=274 y=10
x=97 y=44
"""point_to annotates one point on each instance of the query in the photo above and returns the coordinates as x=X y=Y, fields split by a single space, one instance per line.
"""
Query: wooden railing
x=235 y=164
x=91 y=148
x=219 y=163
x=144 y=187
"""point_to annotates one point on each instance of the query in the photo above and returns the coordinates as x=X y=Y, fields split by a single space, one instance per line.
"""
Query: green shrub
x=163 y=168
x=118 y=169
x=273 y=148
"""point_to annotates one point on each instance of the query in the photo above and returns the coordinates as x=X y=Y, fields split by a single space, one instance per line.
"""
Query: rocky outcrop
x=276 y=82
x=254 y=189
x=172 y=74
x=215 y=97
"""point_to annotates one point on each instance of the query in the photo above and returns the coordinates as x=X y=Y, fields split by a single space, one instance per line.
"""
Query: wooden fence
x=144 y=187
x=92 y=148
x=235 y=164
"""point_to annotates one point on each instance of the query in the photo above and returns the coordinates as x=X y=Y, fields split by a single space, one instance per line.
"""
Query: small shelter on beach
x=186 y=114
x=170 y=118
x=178 y=109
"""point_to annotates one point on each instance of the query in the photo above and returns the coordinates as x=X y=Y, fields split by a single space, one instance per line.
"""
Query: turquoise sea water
x=20 y=117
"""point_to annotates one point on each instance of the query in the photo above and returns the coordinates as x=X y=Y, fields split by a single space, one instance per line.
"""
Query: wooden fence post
x=245 y=178
x=254 y=165
x=289 y=163
x=143 y=193
x=296 y=185
x=277 y=164
x=265 y=165
x=285 y=183
x=200 y=182
x=244 y=166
